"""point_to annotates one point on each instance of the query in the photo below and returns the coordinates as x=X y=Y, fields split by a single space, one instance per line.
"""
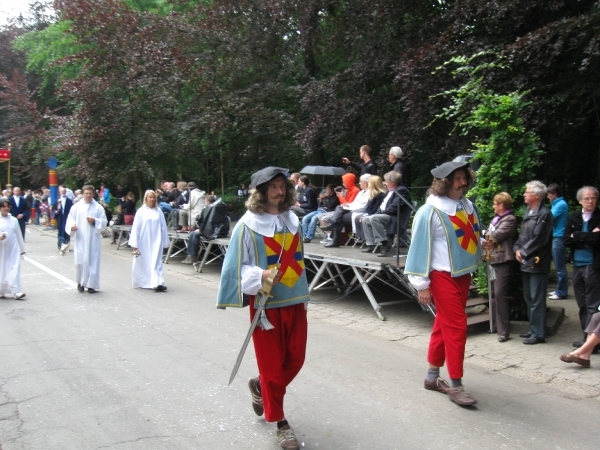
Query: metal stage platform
x=347 y=269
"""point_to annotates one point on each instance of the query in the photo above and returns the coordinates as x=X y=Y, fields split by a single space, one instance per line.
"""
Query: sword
x=265 y=294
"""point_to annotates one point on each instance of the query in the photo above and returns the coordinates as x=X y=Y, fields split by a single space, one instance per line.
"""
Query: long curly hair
x=257 y=201
x=441 y=186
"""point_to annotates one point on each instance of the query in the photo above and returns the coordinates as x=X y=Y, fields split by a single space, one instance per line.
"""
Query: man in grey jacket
x=533 y=250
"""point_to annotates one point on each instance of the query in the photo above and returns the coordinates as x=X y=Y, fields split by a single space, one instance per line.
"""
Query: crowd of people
x=283 y=212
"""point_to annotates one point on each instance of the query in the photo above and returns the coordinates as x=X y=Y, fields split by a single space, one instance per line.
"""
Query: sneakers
x=326 y=240
x=461 y=397
x=19 y=295
x=80 y=288
x=439 y=384
x=306 y=240
x=160 y=288
x=257 y=402
x=554 y=296
x=189 y=260
x=286 y=438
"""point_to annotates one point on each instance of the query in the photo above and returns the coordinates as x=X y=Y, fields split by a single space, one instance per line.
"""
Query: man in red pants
x=444 y=251
x=268 y=237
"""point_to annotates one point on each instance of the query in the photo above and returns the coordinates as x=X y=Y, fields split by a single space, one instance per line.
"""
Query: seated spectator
x=176 y=205
x=211 y=224
x=169 y=195
x=377 y=192
x=375 y=226
x=190 y=211
x=342 y=215
x=126 y=214
x=329 y=201
x=242 y=192
x=583 y=354
x=308 y=202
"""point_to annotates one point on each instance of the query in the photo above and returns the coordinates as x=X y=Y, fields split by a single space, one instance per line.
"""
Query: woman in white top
x=148 y=238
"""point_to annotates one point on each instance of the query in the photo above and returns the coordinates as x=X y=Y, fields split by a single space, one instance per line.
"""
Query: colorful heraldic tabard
x=467 y=230
x=292 y=263
x=4 y=154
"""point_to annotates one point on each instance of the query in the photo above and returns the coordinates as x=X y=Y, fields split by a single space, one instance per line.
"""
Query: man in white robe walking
x=85 y=223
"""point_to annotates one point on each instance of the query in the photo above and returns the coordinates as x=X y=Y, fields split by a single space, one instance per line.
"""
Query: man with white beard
x=85 y=222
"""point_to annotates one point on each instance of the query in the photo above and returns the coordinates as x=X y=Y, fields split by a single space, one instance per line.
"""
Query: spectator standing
x=449 y=226
x=560 y=212
x=87 y=219
x=500 y=238
x=104 y=194
x=19 y=208
x=11 y=249
x=148 y=238
x=533 y=251
x=395 y=159
x=61 y=209
x=368 y=166
x=582 y=235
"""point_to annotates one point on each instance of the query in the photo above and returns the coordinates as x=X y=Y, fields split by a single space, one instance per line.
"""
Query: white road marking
x=51 y=272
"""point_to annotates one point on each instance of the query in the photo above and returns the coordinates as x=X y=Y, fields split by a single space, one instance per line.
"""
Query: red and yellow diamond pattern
x=292 y=263
x=466 y=228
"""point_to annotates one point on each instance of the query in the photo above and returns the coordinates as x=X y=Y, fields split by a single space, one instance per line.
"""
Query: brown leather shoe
x=257 y=402
x=439 y=384
x=461 y=397
x=575 y=359
x=286 y=438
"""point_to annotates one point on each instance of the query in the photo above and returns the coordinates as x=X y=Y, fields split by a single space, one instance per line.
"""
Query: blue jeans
x=534 y=291
x=309 y=223
x=165 y=207
x=558 y=256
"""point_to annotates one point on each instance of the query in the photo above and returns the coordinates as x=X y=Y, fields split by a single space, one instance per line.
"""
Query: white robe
x=149 y=236
x=88 y=241
x=10 y=256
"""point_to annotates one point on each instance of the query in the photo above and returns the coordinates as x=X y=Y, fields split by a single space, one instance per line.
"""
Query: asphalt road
x=135 y=369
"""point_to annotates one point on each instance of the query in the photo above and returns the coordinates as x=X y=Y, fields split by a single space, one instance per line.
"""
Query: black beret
x=447 y=168
x=267 y=174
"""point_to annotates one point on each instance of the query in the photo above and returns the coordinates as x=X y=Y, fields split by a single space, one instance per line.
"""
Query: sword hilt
x=267 y=286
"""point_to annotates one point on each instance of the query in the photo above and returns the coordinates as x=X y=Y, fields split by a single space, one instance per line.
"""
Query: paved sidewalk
x=409 y=325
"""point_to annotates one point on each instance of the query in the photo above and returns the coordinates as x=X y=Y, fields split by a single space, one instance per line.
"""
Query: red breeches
x=280 y=355
x=449 y=334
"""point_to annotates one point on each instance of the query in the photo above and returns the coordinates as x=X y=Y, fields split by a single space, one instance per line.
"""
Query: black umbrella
x=323 y=170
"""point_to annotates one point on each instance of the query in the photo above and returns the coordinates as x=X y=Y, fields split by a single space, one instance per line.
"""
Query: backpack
x=213 y=222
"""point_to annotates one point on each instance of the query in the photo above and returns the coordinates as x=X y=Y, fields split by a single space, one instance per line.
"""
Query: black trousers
x=586 y=285
x=344 y=221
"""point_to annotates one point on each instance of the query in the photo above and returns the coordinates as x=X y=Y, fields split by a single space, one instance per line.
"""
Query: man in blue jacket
x=560 y=212
x=19 y=209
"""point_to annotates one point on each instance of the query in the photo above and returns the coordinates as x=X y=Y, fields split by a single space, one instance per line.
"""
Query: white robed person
x=11 y=249
x=85 y=223
x=148 y=238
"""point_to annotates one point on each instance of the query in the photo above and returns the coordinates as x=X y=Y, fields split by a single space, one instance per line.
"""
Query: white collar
x=266 y=224
x=447 y=205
